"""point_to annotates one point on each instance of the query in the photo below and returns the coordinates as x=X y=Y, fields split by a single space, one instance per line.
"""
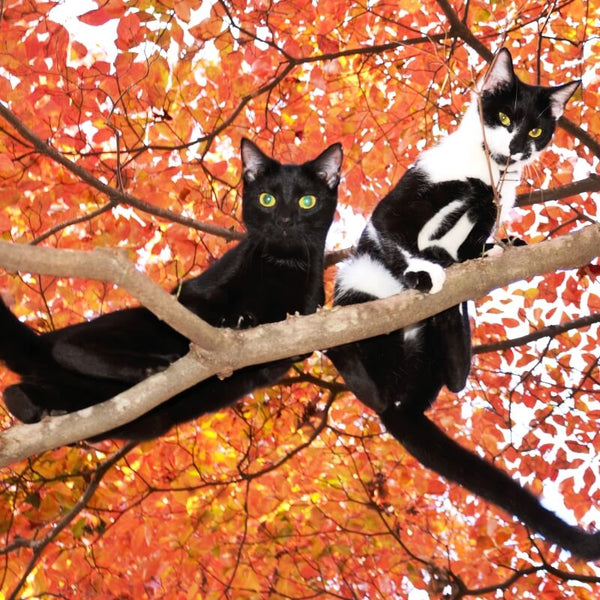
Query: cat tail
x=20 y=346
x=436 y=451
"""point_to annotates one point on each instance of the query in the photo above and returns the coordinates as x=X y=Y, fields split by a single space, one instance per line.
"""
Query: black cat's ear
x=501 y=72
x=559 y=96
x=328 y=164
x=254 y=161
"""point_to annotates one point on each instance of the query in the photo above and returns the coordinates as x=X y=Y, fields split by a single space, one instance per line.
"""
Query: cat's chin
x=288 y=261
x=286 y=251
x=516 y=161
x=502 y=160
x=285 y=256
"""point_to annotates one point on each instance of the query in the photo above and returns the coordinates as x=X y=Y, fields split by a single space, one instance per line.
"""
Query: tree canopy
x=120 y=129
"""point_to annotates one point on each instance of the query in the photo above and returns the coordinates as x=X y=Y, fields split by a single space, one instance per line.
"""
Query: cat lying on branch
x=276 y=270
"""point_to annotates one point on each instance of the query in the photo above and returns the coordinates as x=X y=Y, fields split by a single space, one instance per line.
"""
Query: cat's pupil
x=504 y=119
x=267 y=200
x=307 y=202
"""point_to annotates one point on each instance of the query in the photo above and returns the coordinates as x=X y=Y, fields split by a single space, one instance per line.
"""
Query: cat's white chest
x=463 y=155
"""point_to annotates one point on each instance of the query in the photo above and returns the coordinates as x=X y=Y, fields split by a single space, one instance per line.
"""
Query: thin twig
x=116 y=195
x=550 y=331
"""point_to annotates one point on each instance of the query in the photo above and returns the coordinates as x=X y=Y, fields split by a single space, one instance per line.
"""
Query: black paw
x=21 y=406
x=246 y=320
x=418 y=280
x=243 y=321
x=497 y=246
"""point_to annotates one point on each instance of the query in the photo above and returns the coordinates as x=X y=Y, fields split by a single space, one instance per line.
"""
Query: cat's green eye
x=307 y=202
x=267 y=200
x=535 y=132
x=504 y=119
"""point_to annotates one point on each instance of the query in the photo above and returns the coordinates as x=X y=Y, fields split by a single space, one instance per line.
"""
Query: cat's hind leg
x=127 y=345
x=450 y=335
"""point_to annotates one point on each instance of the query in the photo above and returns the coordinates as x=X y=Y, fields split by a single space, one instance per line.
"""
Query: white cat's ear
x=254 y=161
x=559 y=96
x=328 y=165
x=500 y=73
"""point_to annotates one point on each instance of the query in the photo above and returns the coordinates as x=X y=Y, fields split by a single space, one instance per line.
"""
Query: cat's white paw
x=424 y=275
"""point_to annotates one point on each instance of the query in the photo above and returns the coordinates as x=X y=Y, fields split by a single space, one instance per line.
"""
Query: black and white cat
x=276 y=270
x=441 y=212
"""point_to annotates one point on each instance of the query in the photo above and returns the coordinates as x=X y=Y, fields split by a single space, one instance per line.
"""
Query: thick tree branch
x=299 y=335
x=112 y=266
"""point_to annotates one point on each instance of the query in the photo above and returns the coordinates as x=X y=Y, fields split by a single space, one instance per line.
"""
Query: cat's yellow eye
x=535 y=132
x=307 y=202
x=504 y=119
x=267 y=200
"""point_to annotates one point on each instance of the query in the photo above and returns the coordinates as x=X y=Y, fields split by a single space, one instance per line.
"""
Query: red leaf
x=100 y=16
x=128 y=32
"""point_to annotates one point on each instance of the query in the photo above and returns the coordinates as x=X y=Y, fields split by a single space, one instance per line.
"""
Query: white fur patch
x=461 y=155
x=452 y=240
x=498 y=140
x=373 y=234
x=364 y=274
x=432 y=226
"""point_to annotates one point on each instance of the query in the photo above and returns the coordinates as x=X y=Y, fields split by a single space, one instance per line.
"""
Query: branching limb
x=112 y=266
x=38 y=546
x=550 y=331
x=115 y=195
x=296 y=335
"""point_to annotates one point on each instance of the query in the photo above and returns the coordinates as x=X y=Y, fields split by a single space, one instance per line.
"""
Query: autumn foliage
x=120 y=128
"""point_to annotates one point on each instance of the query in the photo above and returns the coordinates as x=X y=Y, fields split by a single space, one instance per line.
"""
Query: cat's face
x=288 y=207
x=519 y=118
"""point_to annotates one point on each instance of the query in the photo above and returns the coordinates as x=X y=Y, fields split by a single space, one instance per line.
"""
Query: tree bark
x=224 y=350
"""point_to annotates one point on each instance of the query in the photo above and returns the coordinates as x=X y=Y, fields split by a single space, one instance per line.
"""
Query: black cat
x=276 y=270
x=442 y=211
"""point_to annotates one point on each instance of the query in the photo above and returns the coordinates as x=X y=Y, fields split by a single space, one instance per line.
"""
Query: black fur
x=274 y=271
